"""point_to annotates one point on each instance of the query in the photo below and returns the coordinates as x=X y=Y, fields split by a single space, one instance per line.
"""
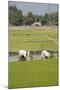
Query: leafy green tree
x=36 y=18
x=15 y=16
x=53 y=18
x=30 y=18
x=43 y=21
x=49 y=19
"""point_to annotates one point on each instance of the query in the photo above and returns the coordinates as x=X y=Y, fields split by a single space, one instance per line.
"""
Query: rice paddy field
x=33 y=39
x=35 y=73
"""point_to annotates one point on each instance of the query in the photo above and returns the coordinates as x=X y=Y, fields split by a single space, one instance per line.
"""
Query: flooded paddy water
x=16 y=58
x=35 y=56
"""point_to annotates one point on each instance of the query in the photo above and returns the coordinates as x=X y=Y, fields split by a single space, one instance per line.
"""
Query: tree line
x=17 y=18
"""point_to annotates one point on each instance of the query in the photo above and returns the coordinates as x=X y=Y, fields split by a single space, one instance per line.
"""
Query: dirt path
x=50 y=38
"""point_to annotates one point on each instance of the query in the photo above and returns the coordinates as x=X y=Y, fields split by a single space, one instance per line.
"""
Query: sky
x=35 y=8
